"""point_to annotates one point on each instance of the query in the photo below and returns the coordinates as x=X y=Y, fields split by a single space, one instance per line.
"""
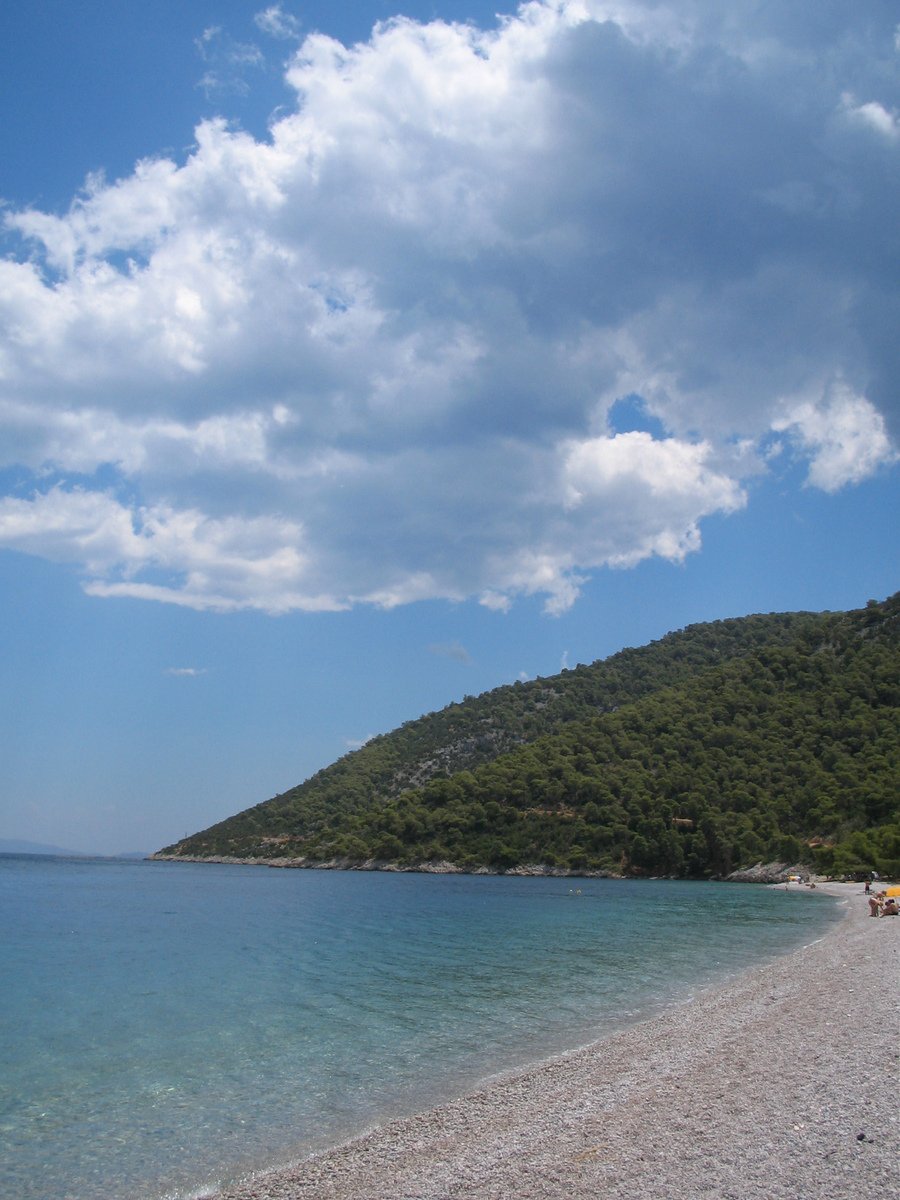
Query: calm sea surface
x=164 y=1027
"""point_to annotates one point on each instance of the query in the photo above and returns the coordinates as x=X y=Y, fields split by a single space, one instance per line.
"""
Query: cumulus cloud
x=372 y=358
x=844 y=437
x=873 y=115
x=230 y=563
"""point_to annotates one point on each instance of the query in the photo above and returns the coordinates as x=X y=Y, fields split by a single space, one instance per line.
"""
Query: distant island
x=41 y=849
x=768 y=738
x=18 y=846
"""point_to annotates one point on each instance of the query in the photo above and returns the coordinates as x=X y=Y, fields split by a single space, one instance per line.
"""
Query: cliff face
x=767 y=738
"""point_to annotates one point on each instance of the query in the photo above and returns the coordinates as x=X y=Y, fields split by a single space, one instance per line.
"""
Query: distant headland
x=768 y=739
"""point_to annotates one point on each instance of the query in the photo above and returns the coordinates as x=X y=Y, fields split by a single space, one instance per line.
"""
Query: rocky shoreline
x=377 y=864
x=775 y=872
x=776 y=1085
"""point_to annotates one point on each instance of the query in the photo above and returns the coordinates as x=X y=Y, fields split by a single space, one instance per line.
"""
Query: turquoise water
x=164 y=1027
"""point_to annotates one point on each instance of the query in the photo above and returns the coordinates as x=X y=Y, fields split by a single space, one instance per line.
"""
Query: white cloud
x=842 y=434
x=227 y=61
x=89 y=528
x=495 y=601
x=235 y=562
x=186 y=672
x=83 y=440
x=872 y=115
x=277 y=23
x=661 y=470
x=370 y=359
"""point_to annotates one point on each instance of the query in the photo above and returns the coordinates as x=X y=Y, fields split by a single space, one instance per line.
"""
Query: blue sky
x=351 y=365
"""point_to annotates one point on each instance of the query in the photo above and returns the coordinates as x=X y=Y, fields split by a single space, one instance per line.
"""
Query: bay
x=166 y=1027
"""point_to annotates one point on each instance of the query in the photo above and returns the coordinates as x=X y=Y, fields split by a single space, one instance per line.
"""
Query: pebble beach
x=781 y=1083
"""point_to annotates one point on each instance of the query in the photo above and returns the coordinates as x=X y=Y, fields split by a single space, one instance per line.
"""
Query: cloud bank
x=376 y=357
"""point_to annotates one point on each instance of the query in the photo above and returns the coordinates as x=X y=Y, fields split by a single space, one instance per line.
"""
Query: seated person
x=890 y=908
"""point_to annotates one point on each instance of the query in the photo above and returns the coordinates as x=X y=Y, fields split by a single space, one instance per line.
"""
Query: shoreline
x=764 y=873
x=778 y=1083
x=384 y=865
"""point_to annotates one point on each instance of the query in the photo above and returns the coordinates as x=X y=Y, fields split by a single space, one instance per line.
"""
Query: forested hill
x=720 y=745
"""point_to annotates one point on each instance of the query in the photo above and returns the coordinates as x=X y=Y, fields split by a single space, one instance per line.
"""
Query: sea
x=169 y=1027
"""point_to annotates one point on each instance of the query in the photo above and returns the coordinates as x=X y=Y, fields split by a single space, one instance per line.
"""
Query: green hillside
x=765 y=737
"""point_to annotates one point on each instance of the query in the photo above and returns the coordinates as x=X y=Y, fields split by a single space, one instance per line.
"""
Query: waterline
x=170 y=1026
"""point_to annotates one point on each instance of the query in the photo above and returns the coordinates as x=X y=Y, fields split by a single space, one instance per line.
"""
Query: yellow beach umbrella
x=894 y=890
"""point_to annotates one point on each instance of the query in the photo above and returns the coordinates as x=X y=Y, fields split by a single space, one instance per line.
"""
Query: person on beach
x=891 y=908
x=874 y=906
x=868 y=886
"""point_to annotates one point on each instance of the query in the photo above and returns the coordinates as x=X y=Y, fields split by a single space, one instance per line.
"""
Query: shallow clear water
x=164 y=1026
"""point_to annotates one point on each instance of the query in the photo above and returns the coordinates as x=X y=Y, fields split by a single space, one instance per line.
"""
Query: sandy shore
x=782 y=1083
